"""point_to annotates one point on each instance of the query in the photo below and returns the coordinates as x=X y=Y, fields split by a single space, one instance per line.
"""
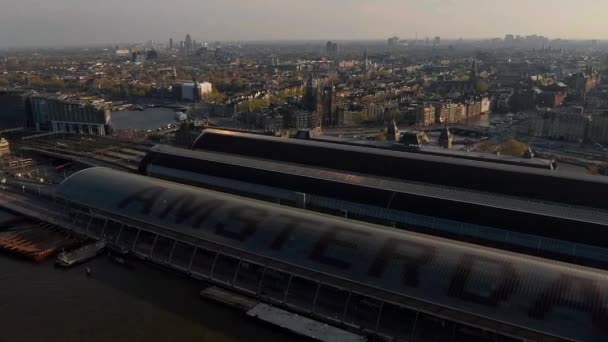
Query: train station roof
x=563 y=187
x=554 y=298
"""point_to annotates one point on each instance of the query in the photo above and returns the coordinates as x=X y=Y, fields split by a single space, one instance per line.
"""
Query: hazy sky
x=50 y=22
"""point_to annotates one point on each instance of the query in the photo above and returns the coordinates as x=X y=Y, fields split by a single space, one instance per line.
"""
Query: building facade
x=425 y=115
x=14 y=109
x=598 y=128
x=65 y=114
x=326 y=113
x=568 y=125
x=191 y=91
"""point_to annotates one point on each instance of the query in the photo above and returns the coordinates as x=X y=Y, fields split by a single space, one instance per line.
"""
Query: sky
x=75 y=22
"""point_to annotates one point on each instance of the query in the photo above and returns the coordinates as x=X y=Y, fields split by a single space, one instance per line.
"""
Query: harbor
x=116 y=304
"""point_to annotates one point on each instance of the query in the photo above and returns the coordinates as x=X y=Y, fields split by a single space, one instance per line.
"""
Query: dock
x=80 y=255
x=302 y=325
x=37 y=243
x=297 y=324
x=234 y=300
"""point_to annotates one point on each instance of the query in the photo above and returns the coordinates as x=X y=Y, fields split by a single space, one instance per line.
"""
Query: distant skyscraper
x=437 y=40
x=326 y=113
x=392 y=41
x=365 y=61
x=473 y=74
x=170 y=43
x=310 y=96
x=188 y=43
x=331 y=49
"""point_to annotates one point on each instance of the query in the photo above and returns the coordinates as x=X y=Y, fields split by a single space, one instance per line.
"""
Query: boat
x=121 y=260
x=80 y=255
x=137 y=107
x=115 y=249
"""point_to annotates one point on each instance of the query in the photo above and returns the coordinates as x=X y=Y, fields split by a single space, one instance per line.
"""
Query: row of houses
x=430 y=113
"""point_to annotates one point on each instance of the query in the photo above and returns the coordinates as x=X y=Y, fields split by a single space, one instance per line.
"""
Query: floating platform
x=292 y=322
x=68 y=259
x=234 y=300
x=37 y=243
x=303 y=326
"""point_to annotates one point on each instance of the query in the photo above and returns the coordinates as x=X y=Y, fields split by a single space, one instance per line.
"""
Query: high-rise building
x=327 y=107
x=473 y=73
x=365 y=61
x=188 y=44
x=331 y=49
x=392 y=41
x=309 y=101
x=437 y=41
x=509 y=38
x=170 y=43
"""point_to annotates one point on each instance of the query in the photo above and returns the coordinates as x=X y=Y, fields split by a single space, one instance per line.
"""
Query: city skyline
x=69 y=23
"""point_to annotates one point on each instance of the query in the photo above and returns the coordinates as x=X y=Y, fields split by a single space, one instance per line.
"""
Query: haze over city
x=74 y=22
x=281 y=170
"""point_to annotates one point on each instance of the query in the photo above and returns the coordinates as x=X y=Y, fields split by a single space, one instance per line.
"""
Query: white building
x=569 y=124
x=486 y=105
x=205 y=88
x=123 y=52
x=194 y=91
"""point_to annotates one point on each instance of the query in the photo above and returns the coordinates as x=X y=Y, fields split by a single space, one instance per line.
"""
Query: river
x=44 y=303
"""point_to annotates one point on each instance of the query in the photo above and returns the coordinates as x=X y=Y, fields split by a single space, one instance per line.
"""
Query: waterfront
x=41 y=302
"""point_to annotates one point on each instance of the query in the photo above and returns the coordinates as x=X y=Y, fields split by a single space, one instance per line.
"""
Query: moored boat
x=80 y=255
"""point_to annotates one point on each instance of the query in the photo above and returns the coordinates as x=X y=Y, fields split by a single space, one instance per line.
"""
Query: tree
x=381 y=136
x=215 y=96
x=360 y=118
x=481 y=86
x=394 y=115
x=513 y=148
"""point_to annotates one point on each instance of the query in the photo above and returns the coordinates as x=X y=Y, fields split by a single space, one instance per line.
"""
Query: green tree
x=215 y=96
x=513 y=148
x=360 y=118
x=481 y=86
x=381 y=136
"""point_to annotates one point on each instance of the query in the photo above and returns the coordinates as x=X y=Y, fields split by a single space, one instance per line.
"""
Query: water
x=44 y=303
x=150 y=118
